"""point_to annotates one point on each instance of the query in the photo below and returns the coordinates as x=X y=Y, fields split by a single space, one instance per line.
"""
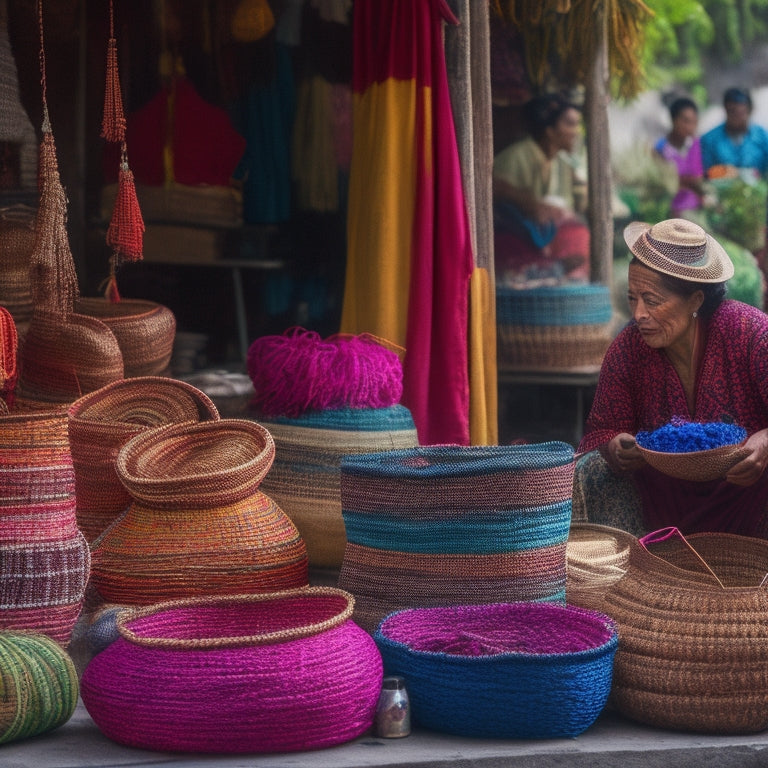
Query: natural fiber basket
x=305 y=479
x=694 y=632
x=695 y=465
x=575 y=304
x=39 y=684
x=17 y=236
x=449 y=524
x=279 y=672
x=101 y=422
x=144 y=331
x=506 y=670
x=198 y=523
x=597 y=556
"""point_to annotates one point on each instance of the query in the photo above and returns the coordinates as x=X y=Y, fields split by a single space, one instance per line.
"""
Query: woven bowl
x=503 y=670
x=278 y=672
x=695 y=465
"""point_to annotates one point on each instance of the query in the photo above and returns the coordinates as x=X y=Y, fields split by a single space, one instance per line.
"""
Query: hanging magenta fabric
x=409 y=256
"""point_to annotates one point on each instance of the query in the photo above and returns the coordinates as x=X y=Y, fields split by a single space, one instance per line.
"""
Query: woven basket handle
x=663 y=534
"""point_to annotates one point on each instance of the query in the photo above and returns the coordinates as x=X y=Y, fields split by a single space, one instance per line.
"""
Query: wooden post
x=597 y=95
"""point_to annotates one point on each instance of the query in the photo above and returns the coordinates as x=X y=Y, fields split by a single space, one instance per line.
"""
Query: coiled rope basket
x=445 y=524
x=198 y=523
x=39 y=685
x=277 y=672
x=504 y=670
x=101 y=422
x=693 y=621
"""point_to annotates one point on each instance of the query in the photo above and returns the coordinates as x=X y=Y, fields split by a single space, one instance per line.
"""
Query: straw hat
x=679 y=248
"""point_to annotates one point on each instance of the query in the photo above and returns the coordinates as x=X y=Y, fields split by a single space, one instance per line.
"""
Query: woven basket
x=101 y=422
x=694 y=633
x=450 y=524
x=39 y=685
x=305 y=479
x=695 y=465
x=17 y=236
x=506 y=670
x=553 y=346
x=198 y=523
x=554 y=305
x=279 y=672
x=597 y=556
x=144 y=331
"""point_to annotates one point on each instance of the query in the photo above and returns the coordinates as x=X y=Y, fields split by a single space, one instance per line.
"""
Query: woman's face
x=663 y=318
x=565 y=131
x=686 y=123
x=737 y=117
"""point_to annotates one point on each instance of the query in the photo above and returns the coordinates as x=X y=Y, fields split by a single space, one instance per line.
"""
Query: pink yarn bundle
x=299 y=371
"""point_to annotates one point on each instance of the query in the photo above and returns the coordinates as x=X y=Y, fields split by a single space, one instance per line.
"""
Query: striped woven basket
x=505 y=670
x=39 y=686
x=198 y=523
x=305 y=479
x=44 y=559
x=144 y=330
x=101 y=422
x=694 y=634
x=278 y=672
x=449 y=524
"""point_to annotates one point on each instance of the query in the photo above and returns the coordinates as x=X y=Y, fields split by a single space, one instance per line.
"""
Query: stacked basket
x=563 y=326
x=450 y=524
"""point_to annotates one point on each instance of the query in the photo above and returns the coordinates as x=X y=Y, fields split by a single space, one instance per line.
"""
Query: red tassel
x=126 y=228
x=111 y=292
x=113 y=122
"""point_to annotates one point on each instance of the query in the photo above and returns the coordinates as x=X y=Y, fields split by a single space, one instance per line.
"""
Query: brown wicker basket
x=695 y=465
x=144 y=331
x=17 y=236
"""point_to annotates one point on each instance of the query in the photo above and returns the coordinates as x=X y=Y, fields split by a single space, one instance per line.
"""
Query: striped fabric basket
x=280 y=672
x=39 y=686
x=305 y=479
x=101 y=422
x=44 y=558
x=564 y=326
x=505 y=670
x=198 y=523
x=694 y=635
x=144 y=331
x=448 y=524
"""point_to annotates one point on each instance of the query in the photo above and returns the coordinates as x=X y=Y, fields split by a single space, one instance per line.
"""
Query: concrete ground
x=611 y=742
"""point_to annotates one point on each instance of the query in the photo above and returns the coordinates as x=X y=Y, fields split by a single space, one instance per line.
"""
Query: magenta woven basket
x=280 y=672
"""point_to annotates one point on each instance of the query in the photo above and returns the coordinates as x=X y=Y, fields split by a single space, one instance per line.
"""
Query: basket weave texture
x=144 y=330
x=44 y=559
x=445 y=524
x=694 y=633
x=305 y=479
x=101 y=422
x=278 y=672
x=695 y=465
x=198 y=523
x=554 y=305
x=505 y=670
x=39 y=684
x=17 y=236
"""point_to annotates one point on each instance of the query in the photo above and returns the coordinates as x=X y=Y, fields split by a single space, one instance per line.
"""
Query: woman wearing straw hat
x=686 y=353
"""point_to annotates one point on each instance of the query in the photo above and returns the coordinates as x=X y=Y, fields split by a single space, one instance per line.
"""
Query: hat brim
x=718 y=269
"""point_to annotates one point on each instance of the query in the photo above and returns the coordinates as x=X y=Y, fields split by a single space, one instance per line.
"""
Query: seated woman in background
x=686 y=353
x=538 y=196
x=682 y=147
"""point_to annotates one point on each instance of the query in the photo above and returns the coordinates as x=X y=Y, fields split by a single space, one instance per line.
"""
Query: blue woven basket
x=505 y=670
x=576 y=304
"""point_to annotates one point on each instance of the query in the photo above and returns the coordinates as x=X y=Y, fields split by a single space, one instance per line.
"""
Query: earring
x=695 y=315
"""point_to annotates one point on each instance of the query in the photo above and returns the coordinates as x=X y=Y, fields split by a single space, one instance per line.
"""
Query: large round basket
x=694 y=633
x=101 y=422
x=39 y=686
x=504 y=670
x=198 y=523
x=144 y=331
x=278 y=672
x=442 y=525
x=695 y=465
x=305 y=479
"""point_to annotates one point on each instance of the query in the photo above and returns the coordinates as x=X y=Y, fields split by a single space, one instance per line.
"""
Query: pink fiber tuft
x=299 y=371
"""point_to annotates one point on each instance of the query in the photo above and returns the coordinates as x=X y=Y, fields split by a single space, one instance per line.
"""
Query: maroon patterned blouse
x=639 y=389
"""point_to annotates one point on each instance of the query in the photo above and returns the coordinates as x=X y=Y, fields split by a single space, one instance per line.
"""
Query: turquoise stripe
x=394 y=418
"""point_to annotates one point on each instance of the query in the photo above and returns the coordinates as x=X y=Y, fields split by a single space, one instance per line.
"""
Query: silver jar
x=393 y=710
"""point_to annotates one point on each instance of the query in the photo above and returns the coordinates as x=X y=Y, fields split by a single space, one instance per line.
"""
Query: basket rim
x=666 y=462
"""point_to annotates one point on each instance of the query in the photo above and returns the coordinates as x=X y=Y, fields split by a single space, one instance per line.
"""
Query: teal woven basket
x=577 y=304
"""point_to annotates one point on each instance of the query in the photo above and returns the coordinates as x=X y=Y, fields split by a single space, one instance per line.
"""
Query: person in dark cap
x=737 y=143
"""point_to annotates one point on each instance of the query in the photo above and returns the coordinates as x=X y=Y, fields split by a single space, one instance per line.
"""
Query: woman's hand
x=752 y=466
x=623 y=455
